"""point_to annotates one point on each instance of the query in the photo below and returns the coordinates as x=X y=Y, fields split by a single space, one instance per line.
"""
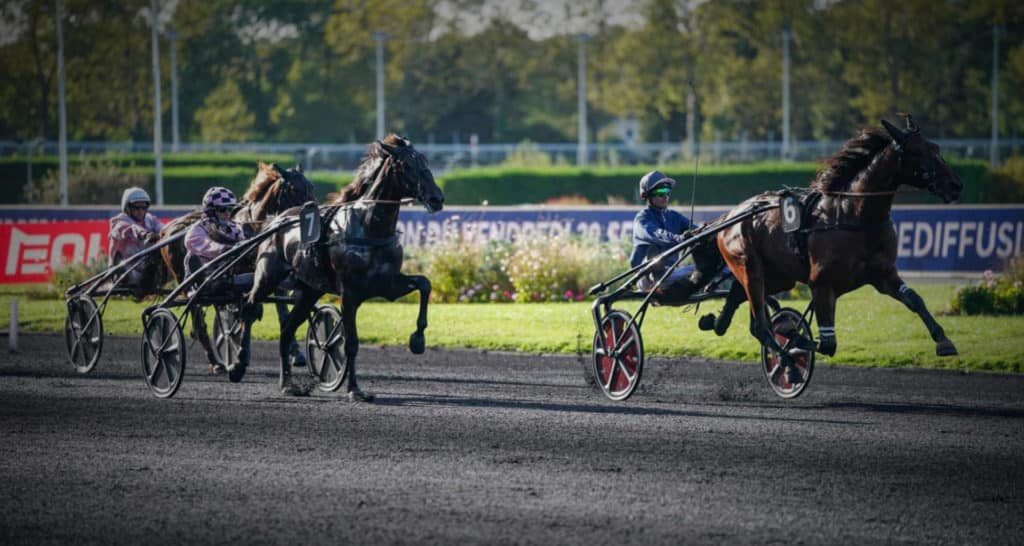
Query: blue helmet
x=652 y=181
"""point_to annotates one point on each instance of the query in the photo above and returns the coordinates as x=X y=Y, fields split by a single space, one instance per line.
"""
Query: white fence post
x=12 y=338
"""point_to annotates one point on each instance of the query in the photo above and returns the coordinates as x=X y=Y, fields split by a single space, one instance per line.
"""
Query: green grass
x=872 y=330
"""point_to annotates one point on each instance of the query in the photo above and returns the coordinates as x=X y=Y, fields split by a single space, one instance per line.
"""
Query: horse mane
x=262 y=184
x=842 y=169
x=367 y=168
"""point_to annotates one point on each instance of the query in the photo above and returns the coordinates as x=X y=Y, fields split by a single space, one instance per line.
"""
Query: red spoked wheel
x=618 y=355
x=801 y=360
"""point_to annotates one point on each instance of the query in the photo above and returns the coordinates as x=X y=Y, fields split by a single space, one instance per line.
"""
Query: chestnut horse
x=272 y=190
x=358 y=257
x=846 y=240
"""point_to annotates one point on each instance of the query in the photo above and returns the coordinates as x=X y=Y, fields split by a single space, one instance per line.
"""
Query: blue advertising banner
x=932 y=239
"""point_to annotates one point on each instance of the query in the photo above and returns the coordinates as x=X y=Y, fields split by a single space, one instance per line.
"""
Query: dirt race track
x=471 y=447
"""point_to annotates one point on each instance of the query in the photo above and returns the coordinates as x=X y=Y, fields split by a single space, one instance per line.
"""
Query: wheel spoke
x=168 y=373
x=151 y=377
x=621 y=364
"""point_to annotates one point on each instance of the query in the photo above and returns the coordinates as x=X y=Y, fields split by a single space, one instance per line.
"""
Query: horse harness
x=311 y=271
x=808 y=201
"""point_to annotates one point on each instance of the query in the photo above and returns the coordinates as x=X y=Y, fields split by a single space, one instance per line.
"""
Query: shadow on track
x=464 y=402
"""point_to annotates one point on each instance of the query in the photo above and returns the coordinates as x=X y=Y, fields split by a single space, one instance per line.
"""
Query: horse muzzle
x=433 y=204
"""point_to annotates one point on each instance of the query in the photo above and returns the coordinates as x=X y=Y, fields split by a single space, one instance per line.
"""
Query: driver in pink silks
x=132 y=231
x=208 y=238
x=215 y=233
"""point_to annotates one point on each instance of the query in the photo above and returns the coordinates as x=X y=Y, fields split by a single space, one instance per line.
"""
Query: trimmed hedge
x=14 y=169
x=716 y=185
x=183 y=185
x=187 y=176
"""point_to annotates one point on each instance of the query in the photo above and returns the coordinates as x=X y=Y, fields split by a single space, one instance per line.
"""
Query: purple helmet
x=652 y=181
x=218 y=197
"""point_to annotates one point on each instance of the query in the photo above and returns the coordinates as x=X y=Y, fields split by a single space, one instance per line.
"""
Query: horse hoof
x=298 y=360
x=827 y=348
x=360 y=396
x=237 y=372
x=945 y=348
x=294 y=389
x=417 y=343
x=707 y=322
x=217 y=369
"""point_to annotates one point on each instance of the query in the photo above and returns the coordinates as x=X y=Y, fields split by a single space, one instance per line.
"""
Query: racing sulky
x=272 y=191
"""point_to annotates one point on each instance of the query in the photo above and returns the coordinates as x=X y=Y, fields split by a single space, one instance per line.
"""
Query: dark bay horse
x=272 y=191
x=848 y=239
x=358 y=256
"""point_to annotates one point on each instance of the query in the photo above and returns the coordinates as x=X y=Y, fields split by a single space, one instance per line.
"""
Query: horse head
x=409 y=169
x=275 y=189
x=920 y=163
x=294 y=188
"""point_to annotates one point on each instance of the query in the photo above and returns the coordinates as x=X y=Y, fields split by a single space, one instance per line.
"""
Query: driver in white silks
x=132 y=231
x=210 y=237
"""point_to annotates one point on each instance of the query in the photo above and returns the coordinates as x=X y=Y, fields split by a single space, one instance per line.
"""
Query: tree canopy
x=304 y=70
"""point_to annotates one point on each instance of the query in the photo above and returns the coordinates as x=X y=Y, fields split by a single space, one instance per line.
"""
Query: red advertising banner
x=30 y=252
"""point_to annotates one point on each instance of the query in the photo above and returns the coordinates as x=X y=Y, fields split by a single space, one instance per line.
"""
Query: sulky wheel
x=788 y=320
x=227 y=335
x=618 y=355
x=163 y=353
x=325 y=348
x=83 y=333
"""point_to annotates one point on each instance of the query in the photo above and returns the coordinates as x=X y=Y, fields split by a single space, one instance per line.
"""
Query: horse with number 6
x=844 y=241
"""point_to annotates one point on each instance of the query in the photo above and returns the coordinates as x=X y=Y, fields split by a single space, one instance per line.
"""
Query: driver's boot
x=677 y=293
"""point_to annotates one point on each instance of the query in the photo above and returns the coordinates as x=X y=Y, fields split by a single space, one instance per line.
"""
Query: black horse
x=272 y=191
x=358 y=256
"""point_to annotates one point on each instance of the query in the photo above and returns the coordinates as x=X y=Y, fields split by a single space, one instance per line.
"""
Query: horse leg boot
x=403 y=285
x=237 y=370
x=824 y=299
x=910 y=298
x=298 y=358
x=760 y=328
x=305 y=300
x=199 y=332
x=348 y=316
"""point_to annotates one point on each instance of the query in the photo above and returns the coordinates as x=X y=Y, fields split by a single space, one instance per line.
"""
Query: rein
x=858 y=193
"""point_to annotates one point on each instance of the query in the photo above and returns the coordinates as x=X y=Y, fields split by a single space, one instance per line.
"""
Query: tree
x=224 y=116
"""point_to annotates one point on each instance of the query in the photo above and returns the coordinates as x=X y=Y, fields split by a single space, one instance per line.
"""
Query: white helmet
x=134 y=195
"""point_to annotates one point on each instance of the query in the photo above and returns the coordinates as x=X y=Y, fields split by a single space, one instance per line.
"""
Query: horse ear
x=897 y=135
x=298 y=167
x=911 y=126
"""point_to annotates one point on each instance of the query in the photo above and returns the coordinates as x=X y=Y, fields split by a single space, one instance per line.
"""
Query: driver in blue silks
x=656 y=229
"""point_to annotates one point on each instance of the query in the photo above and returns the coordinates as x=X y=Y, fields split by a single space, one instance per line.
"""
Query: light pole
x=993 y=154
x=158 y=167
x=379 y=37
x=581 y=102
x=172 y=35
x=786 y=37
x=61 y=109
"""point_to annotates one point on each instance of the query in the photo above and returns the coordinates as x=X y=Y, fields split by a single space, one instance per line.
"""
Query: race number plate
x=309 y=223
x=790 y=213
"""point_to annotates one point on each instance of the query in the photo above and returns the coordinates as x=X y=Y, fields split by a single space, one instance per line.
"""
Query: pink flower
x=568 y=294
